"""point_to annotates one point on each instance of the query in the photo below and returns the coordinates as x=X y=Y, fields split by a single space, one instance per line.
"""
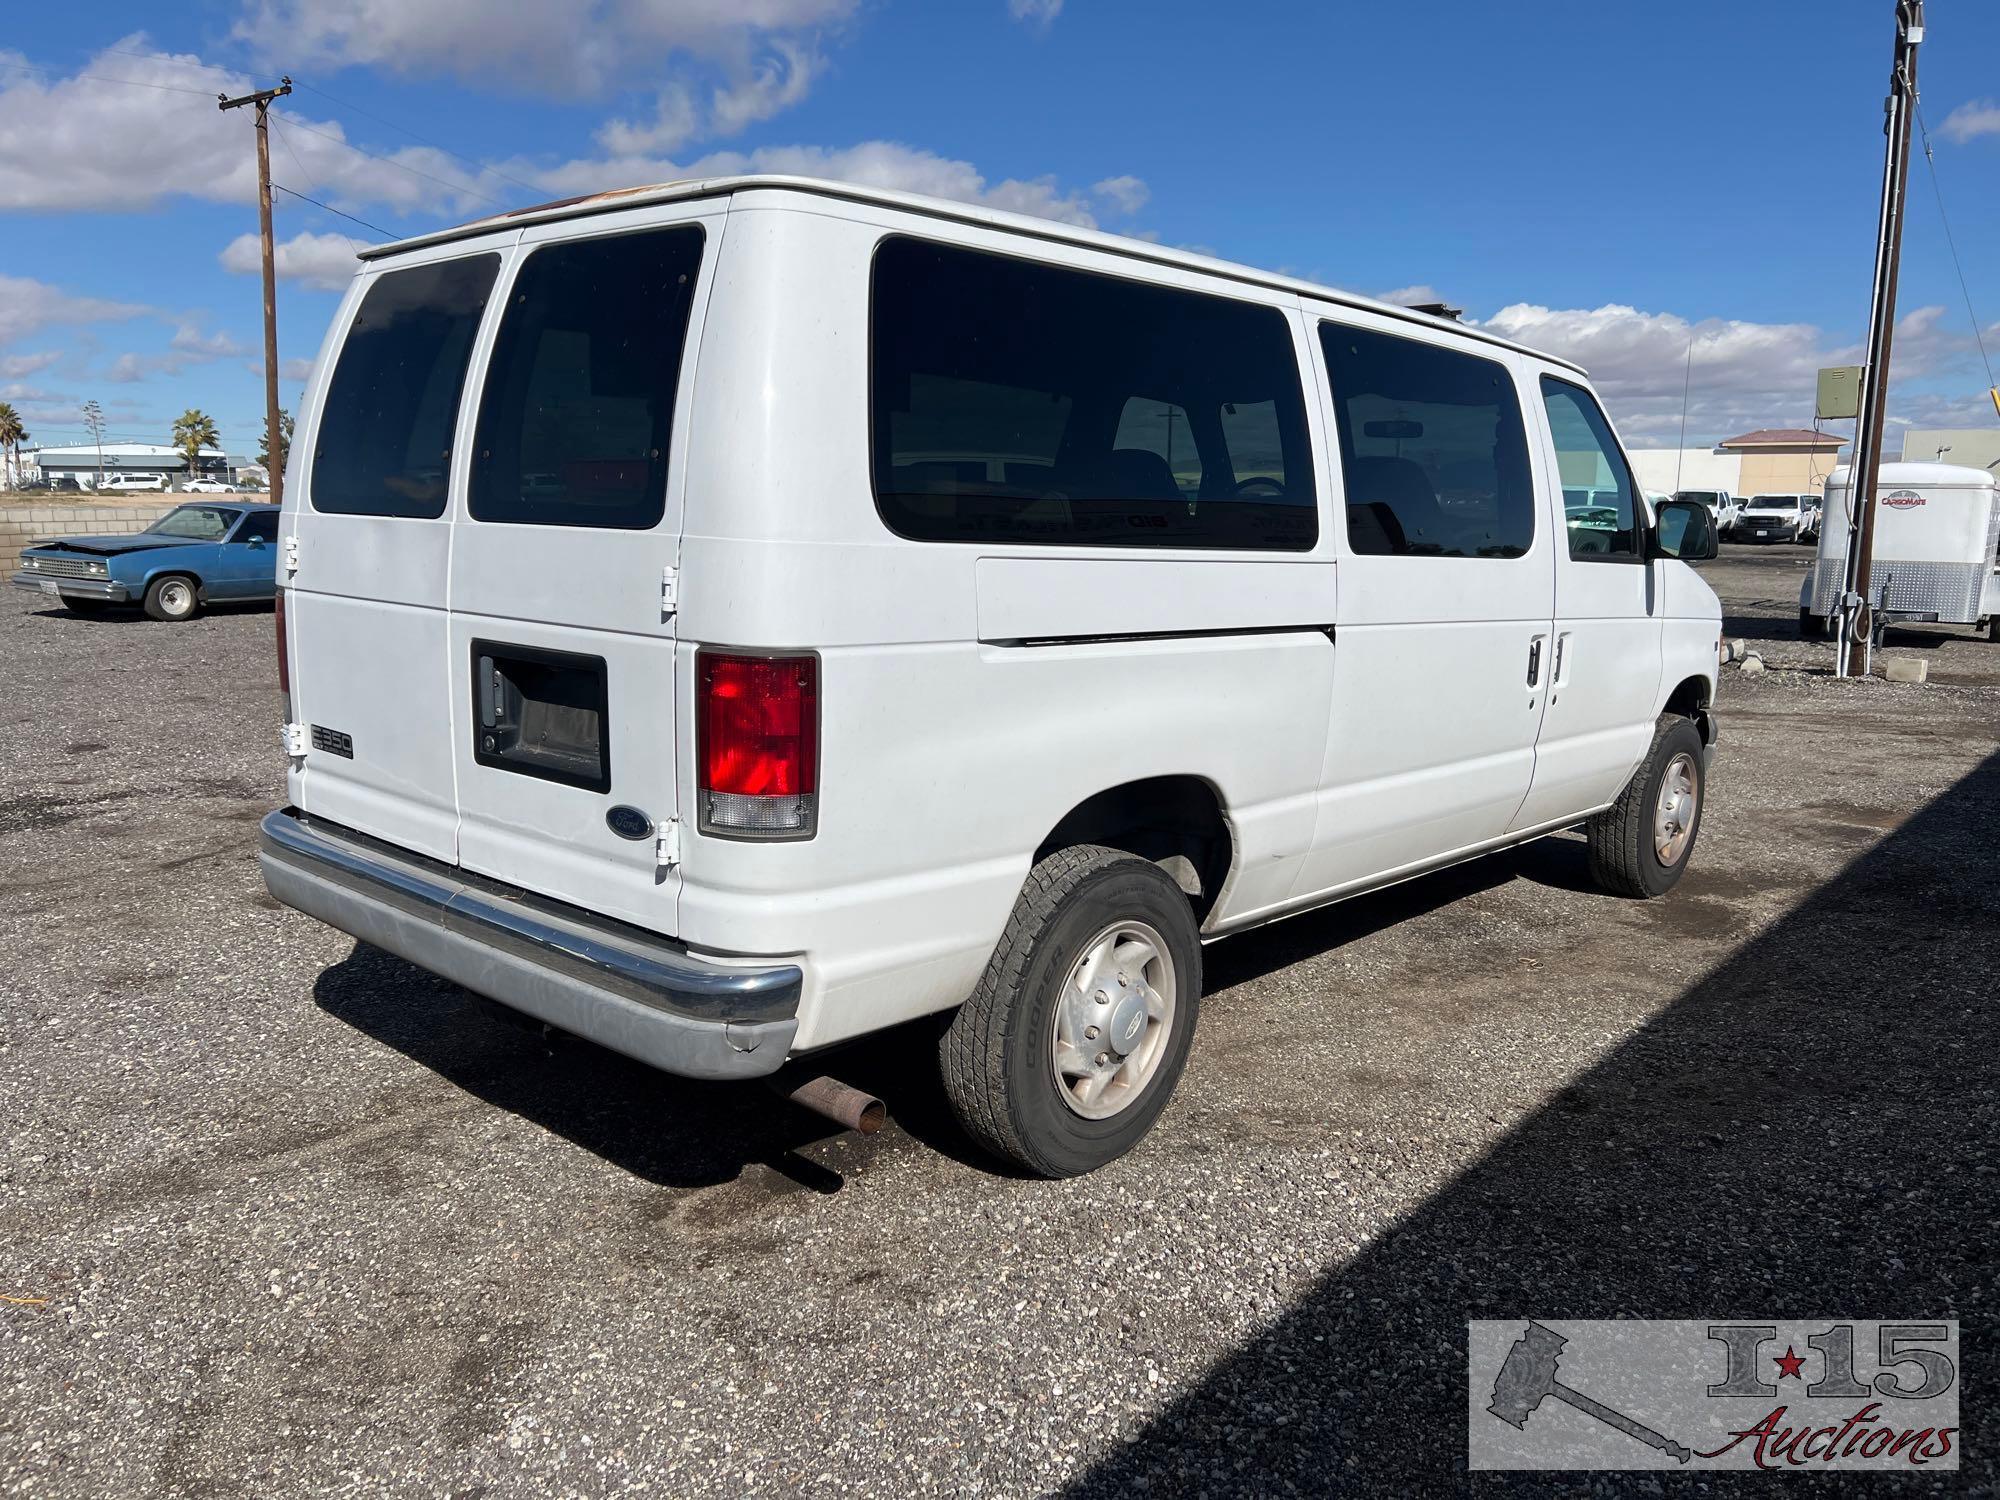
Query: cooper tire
x=173 y=598
x=1630 y=853
x=999 y=1056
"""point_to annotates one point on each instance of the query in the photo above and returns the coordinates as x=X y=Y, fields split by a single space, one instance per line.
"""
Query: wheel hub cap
x=1674 y=812
x=1113 y=1020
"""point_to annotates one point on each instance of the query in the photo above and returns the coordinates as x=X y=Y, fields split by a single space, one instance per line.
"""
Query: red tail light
x=757 y=740
x=284 y=656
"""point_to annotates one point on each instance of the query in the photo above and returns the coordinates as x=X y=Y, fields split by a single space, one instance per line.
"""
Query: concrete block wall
x=24 y=525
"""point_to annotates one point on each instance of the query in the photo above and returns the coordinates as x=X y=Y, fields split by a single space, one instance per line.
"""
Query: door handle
x=1556 y=677
x=1535 y=662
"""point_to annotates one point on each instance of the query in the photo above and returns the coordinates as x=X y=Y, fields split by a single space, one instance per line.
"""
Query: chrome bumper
x=82 y=588
x=633 y=992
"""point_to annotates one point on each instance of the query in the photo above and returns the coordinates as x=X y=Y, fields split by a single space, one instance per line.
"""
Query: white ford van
x=730 y=618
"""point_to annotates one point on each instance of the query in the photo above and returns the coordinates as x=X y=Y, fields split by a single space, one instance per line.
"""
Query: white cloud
x=14 y=366
x=884 y=164
x=28 y=306
x=1037 y=13
x=292 y=369
x=1975 y=117
x=1124 y=195
x=323 y=261
x=775 y=85
x=76 y=144
x=1744 y=374
x=1410 y=296
x=190 y=341
x=570 y=48
x=676 y=120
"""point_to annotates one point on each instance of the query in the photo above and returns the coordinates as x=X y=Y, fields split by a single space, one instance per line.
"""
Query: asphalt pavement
x=284 y=1216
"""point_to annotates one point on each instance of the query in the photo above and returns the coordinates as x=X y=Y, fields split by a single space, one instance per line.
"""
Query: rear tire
x=173 y=598
x=1085 y=920
x=1641 y=844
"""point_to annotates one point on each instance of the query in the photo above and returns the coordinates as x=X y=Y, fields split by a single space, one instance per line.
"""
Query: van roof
x=941 y=208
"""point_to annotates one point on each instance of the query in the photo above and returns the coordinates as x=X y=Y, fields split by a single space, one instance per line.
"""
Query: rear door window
x=1014 y=401
x=1432 y=448
x=384 y=441
x=579 y=401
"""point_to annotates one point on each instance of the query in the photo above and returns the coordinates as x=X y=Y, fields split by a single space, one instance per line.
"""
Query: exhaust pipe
x=837 y=1101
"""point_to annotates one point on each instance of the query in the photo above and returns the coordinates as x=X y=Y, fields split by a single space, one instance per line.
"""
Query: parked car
x=1722 y=507
x=208 y=487
x=936 y=610
x=1809 y=508
x=1771 y=518
x=191 y=556
x=135 y=482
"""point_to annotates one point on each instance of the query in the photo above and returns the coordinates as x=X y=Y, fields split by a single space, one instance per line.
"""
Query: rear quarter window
x=1016 y=401
x=384 y=442
x=579 y=401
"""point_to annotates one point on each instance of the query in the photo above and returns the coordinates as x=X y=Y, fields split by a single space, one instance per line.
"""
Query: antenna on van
x=1687 y=380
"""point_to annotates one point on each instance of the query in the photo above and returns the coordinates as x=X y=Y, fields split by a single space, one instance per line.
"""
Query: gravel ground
x=282 y=1216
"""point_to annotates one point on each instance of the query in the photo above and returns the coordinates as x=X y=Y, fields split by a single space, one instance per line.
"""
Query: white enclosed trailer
x=1937 y=547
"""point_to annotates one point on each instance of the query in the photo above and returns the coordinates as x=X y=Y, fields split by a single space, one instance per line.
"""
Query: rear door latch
x=296 y=741
x=670 y=591
x=667 y=853
x=291 y=555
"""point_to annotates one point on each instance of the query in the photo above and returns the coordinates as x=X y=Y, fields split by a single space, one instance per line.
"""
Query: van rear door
x=369 y=519
x=562 y=565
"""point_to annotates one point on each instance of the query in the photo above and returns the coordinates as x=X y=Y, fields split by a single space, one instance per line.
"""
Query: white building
x=1664 y=470
x=83 y=464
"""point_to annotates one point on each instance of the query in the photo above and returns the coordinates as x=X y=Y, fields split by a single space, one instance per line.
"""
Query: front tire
x=1071 y=1045
x=1641 y=844
x=172 y=598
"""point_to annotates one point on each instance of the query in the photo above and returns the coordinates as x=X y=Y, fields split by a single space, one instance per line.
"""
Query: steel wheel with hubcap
x=1674 y=810
x=1640 y=845
x=171 y=598
x=1070 y=1047
x=1113 y=1020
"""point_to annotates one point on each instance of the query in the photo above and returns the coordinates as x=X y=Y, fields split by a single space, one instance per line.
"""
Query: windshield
x=201 y=523
x=1706 y=497
x=1775 y=502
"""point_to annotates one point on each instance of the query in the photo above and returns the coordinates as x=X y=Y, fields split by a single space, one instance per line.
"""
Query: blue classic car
x=191 y=556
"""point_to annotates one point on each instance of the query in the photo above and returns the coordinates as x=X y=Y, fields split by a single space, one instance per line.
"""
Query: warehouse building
x=81 y=466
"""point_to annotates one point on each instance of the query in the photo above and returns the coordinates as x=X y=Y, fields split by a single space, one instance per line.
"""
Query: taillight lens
x=757 y=739
x=284 y=656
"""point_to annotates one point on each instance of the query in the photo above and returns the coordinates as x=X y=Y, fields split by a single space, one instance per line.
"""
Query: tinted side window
x=262 y=524
x=1012 y=401
x=1600 y=511
x=384 y=443
x=1432 y=449
x=579 y=403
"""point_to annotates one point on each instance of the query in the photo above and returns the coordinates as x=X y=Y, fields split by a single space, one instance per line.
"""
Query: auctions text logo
x=1614 y=1394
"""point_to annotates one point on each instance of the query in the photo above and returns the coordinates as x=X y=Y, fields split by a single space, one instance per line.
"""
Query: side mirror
x=255 y=541
x=1683 y=529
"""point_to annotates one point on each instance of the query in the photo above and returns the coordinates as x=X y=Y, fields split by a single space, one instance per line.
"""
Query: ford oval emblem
x=628 y=822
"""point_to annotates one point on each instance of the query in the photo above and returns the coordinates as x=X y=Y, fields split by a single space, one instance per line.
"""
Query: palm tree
x=12 y=435
x=264 y=454
x=194 y=431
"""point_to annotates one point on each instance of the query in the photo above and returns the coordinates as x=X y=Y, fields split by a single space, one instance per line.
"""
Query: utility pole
x=1857 y=616
x=262 y=99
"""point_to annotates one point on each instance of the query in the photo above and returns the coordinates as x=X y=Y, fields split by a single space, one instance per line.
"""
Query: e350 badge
x=1794 y=1395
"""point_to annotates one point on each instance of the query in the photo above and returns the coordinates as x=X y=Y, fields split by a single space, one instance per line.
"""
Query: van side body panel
x=944 y=760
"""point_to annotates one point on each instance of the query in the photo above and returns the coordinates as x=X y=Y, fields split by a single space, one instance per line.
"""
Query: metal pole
x=262 y=99
x=1856 y=612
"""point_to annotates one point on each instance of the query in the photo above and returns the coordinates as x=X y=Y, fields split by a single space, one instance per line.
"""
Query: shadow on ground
x=1810 y=1131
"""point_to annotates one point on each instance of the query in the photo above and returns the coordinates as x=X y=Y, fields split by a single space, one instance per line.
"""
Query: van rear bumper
x=635 y=993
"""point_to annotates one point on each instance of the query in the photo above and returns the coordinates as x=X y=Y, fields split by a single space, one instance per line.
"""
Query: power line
x=130 y=83
x=377 y=228
x=389 y=161
x=421 y=139
x=286 y=141
x=1938 y=188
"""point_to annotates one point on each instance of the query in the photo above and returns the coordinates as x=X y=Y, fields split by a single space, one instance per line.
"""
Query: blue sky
x=1605 y=179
